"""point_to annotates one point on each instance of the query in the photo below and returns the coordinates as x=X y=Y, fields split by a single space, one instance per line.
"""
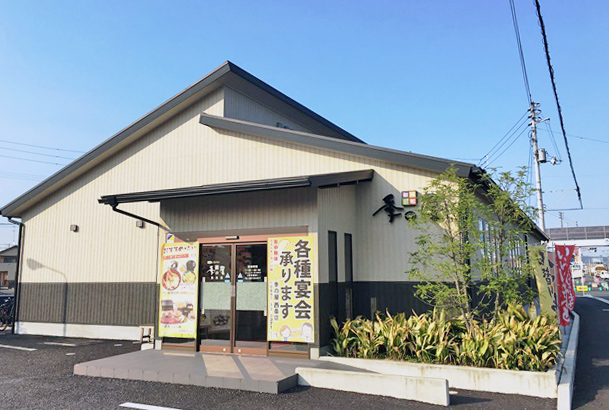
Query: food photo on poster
x=178 y=293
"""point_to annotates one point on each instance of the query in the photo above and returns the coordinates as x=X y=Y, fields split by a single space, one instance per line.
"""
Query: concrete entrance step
x=253 y=373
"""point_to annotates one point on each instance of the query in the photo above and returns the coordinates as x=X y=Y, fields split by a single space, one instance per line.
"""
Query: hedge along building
x=228 y=166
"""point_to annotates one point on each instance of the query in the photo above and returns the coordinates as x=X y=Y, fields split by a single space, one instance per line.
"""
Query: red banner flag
x=564 y=284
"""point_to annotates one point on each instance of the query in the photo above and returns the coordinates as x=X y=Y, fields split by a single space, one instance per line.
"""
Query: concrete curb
x=426 y=390
x=536 y=384
x=567 y=376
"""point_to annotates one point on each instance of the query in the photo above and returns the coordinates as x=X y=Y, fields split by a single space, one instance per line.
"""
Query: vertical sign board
x=291 y=303
x=564 y=284
x=545 y=280
x=178 y=291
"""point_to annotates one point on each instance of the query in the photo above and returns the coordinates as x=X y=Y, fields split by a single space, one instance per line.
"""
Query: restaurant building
x=231 y=218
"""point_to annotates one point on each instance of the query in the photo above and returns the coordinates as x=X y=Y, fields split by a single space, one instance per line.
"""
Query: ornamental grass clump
x=510 y=341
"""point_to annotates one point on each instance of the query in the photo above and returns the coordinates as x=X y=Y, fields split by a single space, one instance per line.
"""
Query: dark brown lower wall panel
x=117 y=304
x=394 y=297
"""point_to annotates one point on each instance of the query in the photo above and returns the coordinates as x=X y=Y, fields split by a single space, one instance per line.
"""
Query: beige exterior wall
x=108 y=247
x=242 y=214
x=182 y=153
x=241 y=107
x=338 y=213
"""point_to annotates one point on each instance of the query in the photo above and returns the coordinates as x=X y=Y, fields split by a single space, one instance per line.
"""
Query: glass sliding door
x=233 y=298
x=216 y=298
x=251 y=292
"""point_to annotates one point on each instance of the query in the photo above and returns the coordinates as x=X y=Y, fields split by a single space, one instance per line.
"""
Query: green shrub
x=510 y=341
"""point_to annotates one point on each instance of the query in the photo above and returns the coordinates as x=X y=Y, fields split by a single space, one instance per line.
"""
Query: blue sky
x=440 y=78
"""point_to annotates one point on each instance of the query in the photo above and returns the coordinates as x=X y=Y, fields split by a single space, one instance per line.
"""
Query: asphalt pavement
x=42 y=379
x=591 y=388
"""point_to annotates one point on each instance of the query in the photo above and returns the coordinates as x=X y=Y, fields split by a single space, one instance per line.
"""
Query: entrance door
x=233 y=298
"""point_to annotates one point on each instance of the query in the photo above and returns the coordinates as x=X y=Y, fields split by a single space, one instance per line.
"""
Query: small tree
x=472 y=234
x=447 y=244
x=507 y=220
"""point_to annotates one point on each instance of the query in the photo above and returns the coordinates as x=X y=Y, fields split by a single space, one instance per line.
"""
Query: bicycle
x=7 y=310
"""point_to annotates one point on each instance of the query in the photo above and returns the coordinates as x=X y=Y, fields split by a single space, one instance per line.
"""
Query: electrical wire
x=523 y=66
x=489 y=162
x=560 y=117
x=8 y=175
x=32 y=160
x=578 y=137
x=36 y=153
x=41 y=147
x=589 y=139
x=503 y=140
x=554 y=144
x=530 y=172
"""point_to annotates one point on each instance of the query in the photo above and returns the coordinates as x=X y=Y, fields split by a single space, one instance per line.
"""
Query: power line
x=36 y=153
x=554 y=144
x=506 y=148
x=562 y=124
x=41 y=147
x=503 y=140
x=523 y=66
x=9 y=175
x=17 y=174
x=581 y=138
x=32 y=160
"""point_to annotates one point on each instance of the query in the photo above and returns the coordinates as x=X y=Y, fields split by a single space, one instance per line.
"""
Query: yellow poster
x=545 y=280
x=291 y=300
x=179 y=289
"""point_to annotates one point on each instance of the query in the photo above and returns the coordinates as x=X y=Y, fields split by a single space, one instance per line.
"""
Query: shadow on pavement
x=460 y=399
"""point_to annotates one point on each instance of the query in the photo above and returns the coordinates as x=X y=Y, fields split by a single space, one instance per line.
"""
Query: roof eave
x=312 y=181
x=319 y=141
x=112 y=144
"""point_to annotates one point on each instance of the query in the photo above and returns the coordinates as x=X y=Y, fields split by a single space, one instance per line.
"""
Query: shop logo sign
x=390 y=208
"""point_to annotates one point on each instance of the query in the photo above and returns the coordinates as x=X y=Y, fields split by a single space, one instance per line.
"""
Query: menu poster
x=291 y=300
x=178 y=291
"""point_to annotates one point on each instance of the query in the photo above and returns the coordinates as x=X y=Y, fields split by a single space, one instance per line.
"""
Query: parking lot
x=37 y=374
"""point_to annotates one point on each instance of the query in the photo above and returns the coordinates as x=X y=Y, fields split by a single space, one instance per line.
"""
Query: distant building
x=578 y=233
x=8 y=267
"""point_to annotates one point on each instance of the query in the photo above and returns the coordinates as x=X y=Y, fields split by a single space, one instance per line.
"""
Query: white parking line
x=145 y=407
x=60 y=344
x=27 y=349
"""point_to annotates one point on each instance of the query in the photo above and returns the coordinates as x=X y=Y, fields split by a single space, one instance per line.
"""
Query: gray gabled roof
x=8 y=249
x=227 y=74
x=333 y=144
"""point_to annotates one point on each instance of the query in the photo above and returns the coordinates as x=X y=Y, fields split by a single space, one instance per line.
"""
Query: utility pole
x=536 y=151
x=561 y=215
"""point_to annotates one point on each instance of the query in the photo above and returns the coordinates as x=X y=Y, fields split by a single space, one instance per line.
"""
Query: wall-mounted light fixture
x=140 y=224
x=74 y=228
